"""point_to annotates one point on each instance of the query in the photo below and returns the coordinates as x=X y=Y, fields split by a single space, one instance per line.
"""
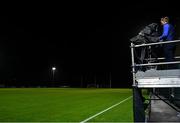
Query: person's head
x=164 y=20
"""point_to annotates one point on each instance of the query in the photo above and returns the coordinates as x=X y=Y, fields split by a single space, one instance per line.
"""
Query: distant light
x=53 y=68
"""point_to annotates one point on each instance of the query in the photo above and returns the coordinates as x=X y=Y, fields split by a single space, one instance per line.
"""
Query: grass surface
x=64 y=105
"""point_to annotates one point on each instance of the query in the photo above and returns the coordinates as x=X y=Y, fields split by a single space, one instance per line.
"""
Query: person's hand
x=160 y=40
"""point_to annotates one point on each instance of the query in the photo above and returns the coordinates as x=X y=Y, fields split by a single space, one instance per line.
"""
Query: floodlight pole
x=110 y=80
x=53 y=72
x=81 y=80
x=95 y=80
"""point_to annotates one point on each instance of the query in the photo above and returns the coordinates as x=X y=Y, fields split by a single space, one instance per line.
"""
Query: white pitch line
x=105 y=110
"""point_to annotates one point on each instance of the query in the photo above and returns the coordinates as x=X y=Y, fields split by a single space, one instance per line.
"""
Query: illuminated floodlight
x=53 y=68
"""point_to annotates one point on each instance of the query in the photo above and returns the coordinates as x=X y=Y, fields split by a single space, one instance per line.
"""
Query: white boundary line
x=105 y=110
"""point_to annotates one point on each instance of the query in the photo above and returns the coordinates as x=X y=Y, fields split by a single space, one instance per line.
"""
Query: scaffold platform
x=158 y=78
x=155 y=81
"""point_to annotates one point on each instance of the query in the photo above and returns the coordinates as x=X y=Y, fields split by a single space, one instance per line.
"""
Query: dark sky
x=78 y=38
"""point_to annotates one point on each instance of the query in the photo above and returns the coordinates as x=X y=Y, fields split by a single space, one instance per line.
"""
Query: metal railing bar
x=161 y=58
x=150 y=44
x=160 y=63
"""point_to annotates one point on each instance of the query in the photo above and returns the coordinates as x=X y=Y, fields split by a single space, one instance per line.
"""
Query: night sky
x=80 y=39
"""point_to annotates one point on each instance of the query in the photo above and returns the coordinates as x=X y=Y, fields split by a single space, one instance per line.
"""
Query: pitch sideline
x=105 y=110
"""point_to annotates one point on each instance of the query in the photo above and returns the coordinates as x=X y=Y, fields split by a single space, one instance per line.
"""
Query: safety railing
x=134 y=65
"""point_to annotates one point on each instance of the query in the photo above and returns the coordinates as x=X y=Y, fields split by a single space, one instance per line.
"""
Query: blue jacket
x=168 y=32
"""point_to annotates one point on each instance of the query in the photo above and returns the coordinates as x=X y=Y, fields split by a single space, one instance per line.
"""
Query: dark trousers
x=169 y=51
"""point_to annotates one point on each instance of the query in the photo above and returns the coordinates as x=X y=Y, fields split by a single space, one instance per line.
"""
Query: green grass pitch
x=64 y=105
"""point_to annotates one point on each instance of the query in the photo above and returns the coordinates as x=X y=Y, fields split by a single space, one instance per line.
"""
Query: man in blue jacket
x=168 y=35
